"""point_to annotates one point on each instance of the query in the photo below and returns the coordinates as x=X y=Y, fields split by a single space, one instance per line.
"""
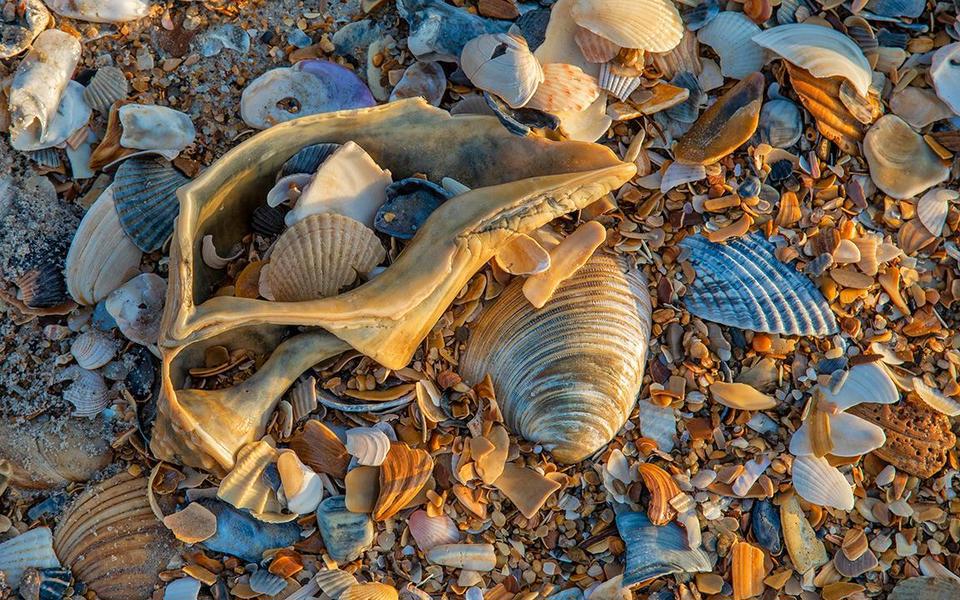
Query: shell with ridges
x=901 y=163
x=32 y=549
x=334 y=582
x=684 y=58
x=656 y=551
x=502 y=64
x=93 y=349
x=369 y=445
x=404 y=472
x=320 y=449
x=932 y=208
x=565 y=88
x=748 y=571
x=429 y=532
x=370 y=591
x=596 y=49
x=821 y=96
x=652 y=25
x=307 y=160
x=619 y=80
x=345 y=534
x=89 y=392
x=106 y=87
x=245 y=487
x=266 y=583
x=548 y=386
x=925 y=588
x=662 y=489
x=730 y=35
x=144 y=192
x=819 y=483
x=935 y=398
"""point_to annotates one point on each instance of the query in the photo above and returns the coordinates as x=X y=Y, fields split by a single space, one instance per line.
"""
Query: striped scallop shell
x=89 y=393
x=730 y=35
x=565 y=88
x=566 y=375
x=32 y=549
x=596 y=49
x=145 y=194
x=685 y=57
x=92 y=349
x=742 y=284
x=318 y=256
x=652 y=25
x=106 y=87
x=334 y=582
x=429 y=531
x=370 y=591
x=619 y=81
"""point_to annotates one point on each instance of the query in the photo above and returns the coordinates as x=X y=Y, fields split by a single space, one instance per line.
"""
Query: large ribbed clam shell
x=742 y=284
x=566 y=375
x=730 y=34
x=901 y=163
x=657 y=551
x=652 y=25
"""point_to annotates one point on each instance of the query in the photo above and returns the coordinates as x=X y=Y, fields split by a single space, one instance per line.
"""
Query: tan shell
x=475 y=557
x=370 y=591
x=246 y=488
x=565 y=88
x=821 y=96
x=526 y=488
x=320 y=449
x=45 y=454
x=652 y=25
x=93 y=349
x=662 y=490
x=596 y=49
x=741 y=396
x=429 y=531
x=722 y=128
x=748 y=571
x=547 y=379
x=404 y=472
x=901 y=163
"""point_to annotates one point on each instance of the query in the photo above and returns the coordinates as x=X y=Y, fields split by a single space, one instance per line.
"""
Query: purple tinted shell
x=344 y=90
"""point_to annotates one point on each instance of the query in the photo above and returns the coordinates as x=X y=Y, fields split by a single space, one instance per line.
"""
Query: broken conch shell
x=528 y=181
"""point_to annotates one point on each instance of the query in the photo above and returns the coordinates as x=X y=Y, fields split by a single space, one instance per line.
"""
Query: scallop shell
x=822 y=51
x=32 y=549
x=548 y=390
x=565 y=88
x=319 y=256
x=901 y=163
x=781 y=123
x=369 y=445
x=596 y=49
x=402 y=475
x=430 y=532
x=155 y=128
x=370 y=591
x=656 y=551
x=475 y=557
x=111 y=540
x=936 y=399
x=925 y=588
x=101 y=11
x=619 y=81
x=43 y=287
x=334 y=582
x=320 y=449
x=137 y=307
x=266 y=583
x=307 y=160
x=92 y=349
x=89 y=393
x=819 y=483
x=932 y=209
x=346 y=535
x=743 y=285
x=107 y=86
x=730 y=35
x=821 y=96
x=684 y=58
x=652 y=25
x=144 y=192
x=303 y=398
x=502 y=64
x=944 y=71
x=725 y=125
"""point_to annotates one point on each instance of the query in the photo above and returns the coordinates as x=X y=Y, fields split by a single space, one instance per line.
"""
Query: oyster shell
x=15 y=37
x=656 y=551
x=730 y=34
x=155 y=128
x=101 y=11
x=502 y=64
x=901 y=163
x=652 y=25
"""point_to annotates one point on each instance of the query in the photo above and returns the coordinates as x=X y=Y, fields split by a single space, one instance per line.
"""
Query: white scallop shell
x=819 y=483
x=502 y=64
x=901 y=163
x=368 y=445
x=945 y=73
x=185 y=588
x=936 y=399
x=652 y=25
x=33 y=549
x=72 y=115
x=823 y=51
x=565 y=88
x=137 y=307
x=730 y=34
x=107 y=86
x=93 y=349
x=334 y=582
x=932 y=208
x=157 y=128
x=101 y=11
x=865 y=383
x=430 y=532
x=88 y=393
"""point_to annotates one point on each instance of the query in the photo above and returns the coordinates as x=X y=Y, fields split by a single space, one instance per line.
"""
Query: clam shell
x=822 y=51
x=766 y=527
x=805 y=549
x=137 y=307
x=346 y=535
x=334 y=582
x=925 y=588
x=652 y=25
x=32 y=549
x=157 y=128
x=144 y=192
x=725 y=125
x=684 y=58
x=302 y=487
x=919 y=106
x=429 y=532
x=730 y=35
x=18 y=35
x=319 y=256
x=565 y=88
x=821 y=96
x=264 y=582
x=107 y=86
x=370 y=591
x=475 y=557
x=246 y=486
x=896 y=8
x=864 y=383
x=48 y=455
x=619 y=81
x=901 y=163
x=320 y=449
x=111 y=540
x=71 y=115
x=185 y=588
x=699 y=16
x=409 y=202
x=89 y=393
x=656 y=551
x=596 y=49
x=781 y=123
x=935 y=398
x=819 y=483
x=944 y=72
x=369 y=445
x=742 y=284
x=92 y=349
x=404 y=472
x=101 y=11
x=932 y=208
x=307 y=160
x=502 y=64
x=548 y=390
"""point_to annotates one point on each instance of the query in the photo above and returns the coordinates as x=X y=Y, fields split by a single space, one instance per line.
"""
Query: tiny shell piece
x=741 y=396
x=108 y=85
x=475 y=557
x=193 y=524
x=362 y=486
x=523 y=256
x=185 y=588
x=301 y=486
x=502 y=64
x=568 y=256
x=345 y=534
x=526 y=488
x=805 y=549
x=369 y=445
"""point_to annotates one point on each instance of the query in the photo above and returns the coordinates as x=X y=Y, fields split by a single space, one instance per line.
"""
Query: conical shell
x=89 y=393
x=932 y=208
x=901 y=163
x=320 y=449
x=730 y=35
x=821 y=96
x=32 y=549
x=596 y=49
x=107 y=86
x=368 y=445
x=652 y=25
x=111 y=540
x=926 y=588
x=345 y=534
x=565 y=88
x=246 y=487
x=430 y=532
x=545 y=362
x=475 y=557
x=819 y=483
x=742 y=284
x=144 y=191
x=502 y=64
x=307 y=160
x=656 y=551
x=822 y=51
x=404 y=472
x=944 y=71
x=92 y=349
x=319 y=256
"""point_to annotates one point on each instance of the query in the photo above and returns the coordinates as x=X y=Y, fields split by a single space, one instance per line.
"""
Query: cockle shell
x=819 y=483
x=107 y=86
x=137 y=307
x=88 y=393
x=901 y=163
x=266 y=583
x=652 y=25
x=334 y=582
x=730 y=35
x=430 y=532
x=101 y=11
x=781 y=123
x=144 y=193
x=565 y=88
x=822 y=51
x=32 y=549
x=72 y=115
x=402 y=475
x=93 y=349
x=620 y=81
x=370 y=591
x=475 y=557
x=157 y=128
x=15 y=37
x=368 y=445
x=656 y=551
x=933 y=206
x=345 y=534
x=742 y=284
x=546 y=381
x=725 y=125
x=319 y=256
x=596 y=49
x=502 y=64
x=946 y=75
x=320 y=449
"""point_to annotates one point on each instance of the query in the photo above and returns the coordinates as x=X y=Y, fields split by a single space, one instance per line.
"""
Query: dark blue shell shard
x=699 y=16
x=46 y=584
x=145 y=194
x=765 y=524
x=657 y=551
x=520 y=121
x=533 y=25
x=242 y=535
x=742 y=284
x=307 y=159
x=409 y=202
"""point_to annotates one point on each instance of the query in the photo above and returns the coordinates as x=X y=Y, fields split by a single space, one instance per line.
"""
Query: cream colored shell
x=652 y=25
x=502 y=64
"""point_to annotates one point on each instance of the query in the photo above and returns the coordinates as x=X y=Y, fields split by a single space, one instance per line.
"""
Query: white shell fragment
x=302 y=487
x=138 y=306
x=72 y=115
x=101 y=11
x=107 y=86
x=368 y=445
x=730 y=34
x=864 y=383
x=819 y=483
x=651 y=25
x=502 y=64
x=945 y=72
x=932 y=208
x=33 y=549
x=936 y=399
x=157 y=128
x=475 y=557
x=901 y=163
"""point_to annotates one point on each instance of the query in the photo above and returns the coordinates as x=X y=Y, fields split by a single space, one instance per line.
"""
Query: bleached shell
x=865 y=383
x=334 y=582
x=730 y=35
x=430 y=532
x=424 y=79
x=319 y=256
x=846 y=252
x=111 y=540
x=288 y=187
x=40 y=81
x=72 y=114
x=261 y=103
x=30 y=550
x=919 y=106
x=101 y=11
x=652 y=25
x=819 y=483
x=475 y=557
x=307 y=496
x=502 y=64
x=144 y=191
x=345 y=534
x=741 y=396
x=93 y=349
x=544 y=363
x=946 y=75
x=137 y=307
x=678 y=174
x=17 y=36
x=742 y=284
x=932 y=208
x=925 y=588
x=108 y=85
x=158 y=128
x=901 y=163
x=564 y=88
x=596 y=49
x=656 y=551
x=264 y=582
x=88 y=393
x=368 y=445
x=303 y=397
x=658 y=423
x=684 y=58
x=936 y=399
x=245 y=486
x=618 y=83
x=822 y=51
x=185 y=588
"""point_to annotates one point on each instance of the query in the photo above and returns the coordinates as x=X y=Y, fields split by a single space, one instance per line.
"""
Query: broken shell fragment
x=71 y=116
x=402 y=475
x=430 y=532
x=946 y=75
x=919 y=106
x=246 y=486
x=439 y=31
x=748 y=571
x=16 y=36
x=108 y=85
x=137 y=307
x=474 y=557
x=193 y=524
x=741 y=396
x=730 y=34
x=409 y=202
x=565 y=259
x=781 y=123
x=526 y=488
x=30 y=550
x=424 y=79
x=523 y=256
x=155 y=128
x=651 y=25
x=804 y=547
x=822 y=97
x=565 y=88
x=656 y=551
x=596 y=49
x=370 y=591
x=302 y=488
x=901 y=163
x=320 y=449
x=101 y=11
x=369 y=445
x=935 y=398
x=502 y=64
x=725 y=125
x=925 y=588
x=345 y=534
x=662 y=490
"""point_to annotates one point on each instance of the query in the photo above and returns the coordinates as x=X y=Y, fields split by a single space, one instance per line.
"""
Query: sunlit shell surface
x=742 y=284
x=429 y=531
x=31 y=549
x=657 y=551
x=566 y=375
x=901 y=163
x=106 y=87
x=101 y=11
x=725 y=125
x=819 y=483
x=404 y=472
x=502 y=64
x=564 y=88
x=821 y=96
x=93 y=349
x=933 y=206
x=369 y=445
x=144 y=192
x=945 y=73
x=137 y=306
x=16 y=37
x=345 y=534
x=652 y=25
x=730 y=35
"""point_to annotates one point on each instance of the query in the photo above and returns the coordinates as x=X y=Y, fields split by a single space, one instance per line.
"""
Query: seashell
x=40 y=83
x=822 y=51
x=320 y=449
x=17 y=35
x=651 y=25
x=307 y=160
x=242 y=535
x=288 y=188
x=402 y=475
x=156 y=128
x=684 y=58
x=741 y=396
x=302 y=487
x=687 y=110
x=47 y=455
x=759 y=292
x=522 y=121
x=896 y=8
x=193 y=524
x=48 y=158
x=596 y=49
x=247 y=487
x=92 y=349
x=765 y=525
x=819 y=483
x=805 y=549
x=409 y=202
x=266 y=583
x=658 y=423
x=781 y=123
x=334 y=582
x=662 y=490
x=725 y=125
x=918 y=107
x=526 y=488
x=89 y=393
x=424 y=79
x=656 y=551
x=370 y=591
x=620 y=81
x=267 y=220
x=303 y=398
x=101 y=11
x=368 y=445
x=185 y=588
x=932 y=208
x=855 y=568
x=319 y=256
x=346 y=535
x=43 y=287
x=108 y=85
x=943 y=72
x=362 y=485
x=530 y=395
x=935 y=398
x=439 y=31
x=523 y=256
x=533 y=26
x=46 y=584
x=430 y=532
x=502 y=64
x=30 y=550
x=925 y=588
x=699 y=16
x=565 y=88
x=931 y=568
x=865 y=383
x=111 y=540
x=821 y=96
x=72 y=115
x=144 y=192
x=846 y=252
x=475 y=557
x=137 y=306
x=914 y=237
x=747 y=571
x=730 y=35
x=565 y=259
x=210 y=256
x=901 y=163
x=308 y=88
